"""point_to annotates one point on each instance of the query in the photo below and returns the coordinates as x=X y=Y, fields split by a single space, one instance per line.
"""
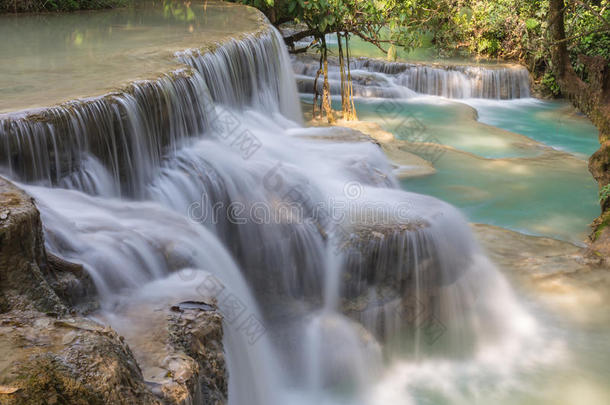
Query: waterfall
x=377 y=78
x=137 y=246
x=130 y=131
x=127 y=132
x=207 y=170
x=242 y=73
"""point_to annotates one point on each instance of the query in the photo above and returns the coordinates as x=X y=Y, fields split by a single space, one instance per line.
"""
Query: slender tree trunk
x=347 y=99
x=316 y=93
x=567 y=79
x=344 y=105
x=350 y=87
x=326 y=106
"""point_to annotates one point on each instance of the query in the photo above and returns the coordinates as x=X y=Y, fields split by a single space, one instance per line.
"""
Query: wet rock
x=390 y=255
x=24 y=272
x=68 y=360
x=198 y=305
x=179 y=349
x=30 y=277
x=198 y=332
x=72 y=284
x=46 y=357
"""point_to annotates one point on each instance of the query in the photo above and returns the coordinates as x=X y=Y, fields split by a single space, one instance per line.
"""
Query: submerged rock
x=562 y=276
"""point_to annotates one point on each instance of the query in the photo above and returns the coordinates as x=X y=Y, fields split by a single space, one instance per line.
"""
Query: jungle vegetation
x=551 y=37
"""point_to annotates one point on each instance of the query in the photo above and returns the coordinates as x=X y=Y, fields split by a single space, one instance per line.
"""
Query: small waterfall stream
x=378 y=78
x=208 y=171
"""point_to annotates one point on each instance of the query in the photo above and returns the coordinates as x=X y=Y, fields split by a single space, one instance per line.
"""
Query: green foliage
x=57 y=5
x=604 y=193
x=550 y=84
x=590 y=43
x=506 y=29
x=517 y=30
x=178 y=11
x=502 y=28
x=381 y=22
x=531 y=24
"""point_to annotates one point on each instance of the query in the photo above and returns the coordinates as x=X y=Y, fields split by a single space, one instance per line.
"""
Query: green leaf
x=531 y=23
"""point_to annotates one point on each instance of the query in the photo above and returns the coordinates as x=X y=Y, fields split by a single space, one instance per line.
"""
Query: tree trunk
x=343 y=78
x=347 y=91
x=326 y=106
x=593 y=99
x=316 y=93
x=350 y=88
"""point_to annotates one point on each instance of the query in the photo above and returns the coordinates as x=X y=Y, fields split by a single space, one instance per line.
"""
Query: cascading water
x=377 y=78
x=313 y=236
x=127 y=133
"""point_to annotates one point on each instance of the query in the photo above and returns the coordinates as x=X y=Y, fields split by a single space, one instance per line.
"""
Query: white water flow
x=377 y=78
x=360 y=288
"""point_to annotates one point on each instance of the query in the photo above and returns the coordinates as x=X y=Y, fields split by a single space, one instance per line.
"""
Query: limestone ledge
x=405 y=163
x=565 y=278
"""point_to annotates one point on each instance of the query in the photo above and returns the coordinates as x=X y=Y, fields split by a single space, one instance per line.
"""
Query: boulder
x=24 y=272
x=198 y=333
x=179 y=349
x=46 y=360
x=73 y=284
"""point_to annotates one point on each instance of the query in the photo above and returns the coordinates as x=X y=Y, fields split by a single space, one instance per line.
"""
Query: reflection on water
x=52 y=58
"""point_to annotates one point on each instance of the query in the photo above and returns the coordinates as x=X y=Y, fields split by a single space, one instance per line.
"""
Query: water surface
x=52 y=58
x=500 y=177
x=554 y=123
